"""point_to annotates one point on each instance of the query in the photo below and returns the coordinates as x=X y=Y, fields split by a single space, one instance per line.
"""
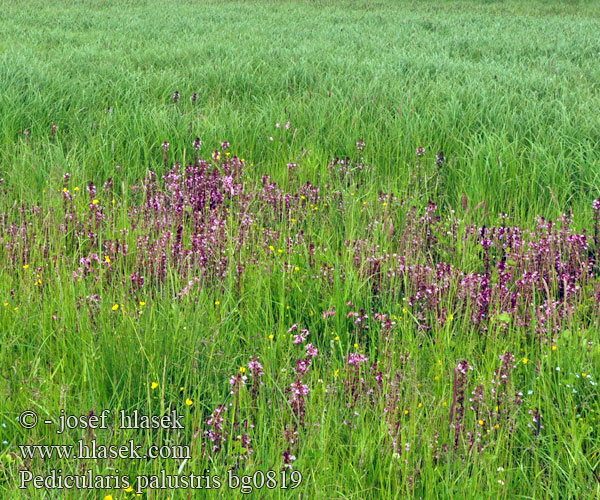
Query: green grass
x=508 y=90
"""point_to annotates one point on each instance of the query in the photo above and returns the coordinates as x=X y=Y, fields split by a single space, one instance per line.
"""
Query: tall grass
x=506 y=90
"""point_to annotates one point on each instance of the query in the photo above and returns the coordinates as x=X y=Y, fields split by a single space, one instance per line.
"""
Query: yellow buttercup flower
x=142 y=303
x=525 y=360
x=189 y=402
x=271 y=337
x=26 y=266
x=115 y=307
x=154 y=385
x=95 y=202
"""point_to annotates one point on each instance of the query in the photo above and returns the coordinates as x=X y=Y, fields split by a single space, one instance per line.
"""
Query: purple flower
x=355 y=358
x=311 y=351
x=256 y=369
x=301 y=337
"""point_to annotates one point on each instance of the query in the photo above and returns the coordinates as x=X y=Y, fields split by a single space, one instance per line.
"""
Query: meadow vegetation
x=360 y=240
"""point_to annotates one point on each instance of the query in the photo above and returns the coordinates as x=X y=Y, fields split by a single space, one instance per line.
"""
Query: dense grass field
x=355 y=241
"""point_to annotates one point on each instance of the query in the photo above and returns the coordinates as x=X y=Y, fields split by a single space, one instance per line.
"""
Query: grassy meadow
x=357 y=240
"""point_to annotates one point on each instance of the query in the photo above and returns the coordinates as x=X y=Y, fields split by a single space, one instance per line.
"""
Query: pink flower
x=311 y=351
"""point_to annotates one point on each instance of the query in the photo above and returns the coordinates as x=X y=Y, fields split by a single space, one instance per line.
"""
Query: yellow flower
x=76 y=188
x=272 y=248
x=129 y=489
x=217 y=303
x=296 y=268
x=242 y=369
x=406 y=412
x=525 y=360
x=189 y=402
x=480 y=422
x=437 y=377
x=445 y=403
x=355 y=346
x=6 y=304
x=584 y=375
x=115 y=307
x=554 y=348
x=95 y=202
x=26 y=266
x=337 y=338
x=420 y=405
x=271 y=337
x=65 y=190
x=336 y=372
x=142 y=303
x=154 y=385
x=108 y=497
x=450 y=317
x=107 y=258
